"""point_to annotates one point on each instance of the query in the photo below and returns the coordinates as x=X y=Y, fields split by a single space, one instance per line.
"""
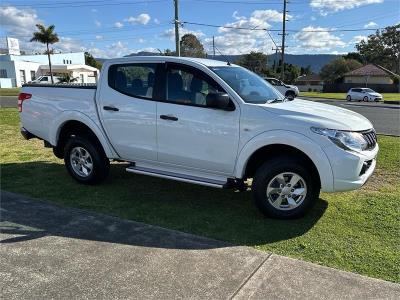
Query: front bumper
x=351 y=170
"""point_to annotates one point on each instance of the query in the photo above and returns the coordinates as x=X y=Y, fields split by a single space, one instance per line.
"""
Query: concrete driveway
x=49 y=251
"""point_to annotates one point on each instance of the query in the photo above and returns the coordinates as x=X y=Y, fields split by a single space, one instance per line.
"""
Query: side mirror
x=218 y=100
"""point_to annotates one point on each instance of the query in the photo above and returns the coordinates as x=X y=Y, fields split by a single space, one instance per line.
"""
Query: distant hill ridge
x=316 y=61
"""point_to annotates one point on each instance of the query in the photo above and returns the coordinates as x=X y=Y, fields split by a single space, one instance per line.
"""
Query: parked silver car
x=363 y=94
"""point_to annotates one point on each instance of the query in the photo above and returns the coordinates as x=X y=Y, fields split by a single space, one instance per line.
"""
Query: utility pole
x=276 y=50
x=283 y=41
x=177 y=42
x=213 y=48
x=276 y=60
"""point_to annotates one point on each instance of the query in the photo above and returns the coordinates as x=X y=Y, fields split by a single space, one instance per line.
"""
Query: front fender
x=293 y=139
x=72 y=115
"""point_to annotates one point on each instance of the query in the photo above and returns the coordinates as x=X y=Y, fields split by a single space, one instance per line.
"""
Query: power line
x=100 y=31
x=97 y=3
x=238 y=2
x=279 y=30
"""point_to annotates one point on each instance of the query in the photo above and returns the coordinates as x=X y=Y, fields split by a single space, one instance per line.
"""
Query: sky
x=116 y=28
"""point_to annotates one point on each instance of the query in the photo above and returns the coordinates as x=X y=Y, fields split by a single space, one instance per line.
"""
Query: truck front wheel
x=284 y=188
x=85 y=160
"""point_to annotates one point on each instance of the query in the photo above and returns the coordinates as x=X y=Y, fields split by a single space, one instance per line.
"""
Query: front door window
x=189 y=87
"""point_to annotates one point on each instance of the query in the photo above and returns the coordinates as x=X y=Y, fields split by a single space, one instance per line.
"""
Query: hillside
x=316 y=61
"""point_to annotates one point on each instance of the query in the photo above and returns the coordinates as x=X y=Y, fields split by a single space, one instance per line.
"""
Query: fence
x=344 y=87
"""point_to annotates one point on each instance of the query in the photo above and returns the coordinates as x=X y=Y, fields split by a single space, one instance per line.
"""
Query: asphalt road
x=8 y=101
x=384 y=117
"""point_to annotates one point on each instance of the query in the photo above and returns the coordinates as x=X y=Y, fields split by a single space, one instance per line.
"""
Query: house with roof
x=370 y=74
x=17 y=68
x=310 y=83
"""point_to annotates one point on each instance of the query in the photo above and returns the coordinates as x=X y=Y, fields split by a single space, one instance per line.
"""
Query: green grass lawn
x=355 y=231
x=9 y=92
x=342 y=96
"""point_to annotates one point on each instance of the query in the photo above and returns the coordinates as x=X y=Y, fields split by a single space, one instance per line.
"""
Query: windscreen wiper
x=277 y=100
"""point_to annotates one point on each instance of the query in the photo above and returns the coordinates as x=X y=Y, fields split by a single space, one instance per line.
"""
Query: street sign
x=13 y=46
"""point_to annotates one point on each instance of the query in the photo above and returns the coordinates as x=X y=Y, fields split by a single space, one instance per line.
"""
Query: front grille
x=371 y=138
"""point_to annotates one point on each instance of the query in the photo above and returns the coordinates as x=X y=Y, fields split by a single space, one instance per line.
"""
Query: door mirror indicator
x=219 y=100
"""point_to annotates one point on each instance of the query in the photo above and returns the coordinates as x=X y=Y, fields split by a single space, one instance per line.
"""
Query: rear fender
x=72 y=115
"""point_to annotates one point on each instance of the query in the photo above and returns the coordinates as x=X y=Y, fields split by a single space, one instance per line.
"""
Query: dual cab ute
x=204 y=122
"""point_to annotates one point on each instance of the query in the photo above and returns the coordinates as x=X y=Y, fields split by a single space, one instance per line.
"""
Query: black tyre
x=365 y=99
x=285 y=188
x=85 y=160
x=290 y=95
x=348 y=98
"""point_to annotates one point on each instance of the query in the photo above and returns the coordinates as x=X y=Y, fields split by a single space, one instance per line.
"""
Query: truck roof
x=155 y=58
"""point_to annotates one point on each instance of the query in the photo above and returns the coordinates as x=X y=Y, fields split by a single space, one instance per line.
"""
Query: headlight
x=347 y=140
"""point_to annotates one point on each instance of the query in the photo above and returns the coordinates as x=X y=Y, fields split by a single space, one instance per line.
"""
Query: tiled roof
x=370 y=70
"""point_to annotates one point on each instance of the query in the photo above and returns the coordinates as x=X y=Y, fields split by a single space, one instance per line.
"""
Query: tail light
x=21 y=98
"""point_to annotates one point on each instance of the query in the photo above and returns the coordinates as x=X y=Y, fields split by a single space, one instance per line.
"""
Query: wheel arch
x=73 y=123
x=280 y=142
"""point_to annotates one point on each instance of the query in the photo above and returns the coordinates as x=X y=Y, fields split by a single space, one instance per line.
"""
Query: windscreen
x=248 y=85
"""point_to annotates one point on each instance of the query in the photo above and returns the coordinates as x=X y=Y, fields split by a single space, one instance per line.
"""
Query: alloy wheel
x=81 y=161
x=286 y=191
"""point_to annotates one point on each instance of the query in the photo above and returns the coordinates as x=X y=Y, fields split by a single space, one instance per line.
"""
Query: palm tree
x=46 y=36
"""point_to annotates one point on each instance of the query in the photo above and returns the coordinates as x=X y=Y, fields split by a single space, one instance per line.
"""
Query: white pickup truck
x=204 y=122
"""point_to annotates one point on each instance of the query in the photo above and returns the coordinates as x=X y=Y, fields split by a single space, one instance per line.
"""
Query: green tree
x=191 y=46
x=254 y=61
x=305 y=71
x=382 y=48
x=91 y=61
x=356 y=56
x=292 y=72
x=258 y=63
x=167 y=52
x=67 y=78
x=334 y=71
x=46 y=36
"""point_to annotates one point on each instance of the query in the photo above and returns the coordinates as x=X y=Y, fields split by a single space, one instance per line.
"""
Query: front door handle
x=112 y=108
x=168 y=117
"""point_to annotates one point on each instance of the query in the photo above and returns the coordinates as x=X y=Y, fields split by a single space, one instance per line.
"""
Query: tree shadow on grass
x=220 y=214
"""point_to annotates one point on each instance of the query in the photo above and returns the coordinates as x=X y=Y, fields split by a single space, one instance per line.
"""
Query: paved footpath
x=8 y=101
x=49 y=251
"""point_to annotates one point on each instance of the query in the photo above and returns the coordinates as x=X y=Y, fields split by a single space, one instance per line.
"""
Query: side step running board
x=178 y=177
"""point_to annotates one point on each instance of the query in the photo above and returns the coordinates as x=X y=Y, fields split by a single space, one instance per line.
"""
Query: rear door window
x=136 y=80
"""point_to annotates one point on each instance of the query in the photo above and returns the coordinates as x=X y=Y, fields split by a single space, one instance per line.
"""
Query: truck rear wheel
x=85 y=160
x=284 y=188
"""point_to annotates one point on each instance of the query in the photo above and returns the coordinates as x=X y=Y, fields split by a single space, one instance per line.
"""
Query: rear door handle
x=112 y=108
x=168 y=117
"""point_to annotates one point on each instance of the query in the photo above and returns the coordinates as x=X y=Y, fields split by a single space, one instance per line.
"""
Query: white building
x=15 y=70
